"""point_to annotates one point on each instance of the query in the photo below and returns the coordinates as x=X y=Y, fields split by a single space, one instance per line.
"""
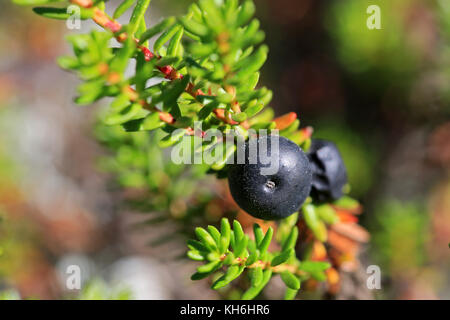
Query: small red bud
x=285 y=121
x=166 y=117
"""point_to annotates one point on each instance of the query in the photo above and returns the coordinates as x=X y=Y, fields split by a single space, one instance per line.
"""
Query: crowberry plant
x=203 y=67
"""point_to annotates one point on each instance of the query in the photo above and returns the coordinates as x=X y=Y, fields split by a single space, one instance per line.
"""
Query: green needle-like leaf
x=245 y=13
x=205 y=238
x=196 y=245
x=238 y=231
x=241 y=247
x=207 y=110
x=62 y=13
x=215 y=234
x=194 y=27
x=157 y=28
x=314 y=266
x=175 y=43
x=252 y=63
x=265 y=242
x=199 y=276
x=195 y=255
x=291 y=240
x=166 y=36
x=252 y=258
x=327 y=213
x=232 y=273
x=252 y=292
x=259 y=234
x=138 y=15
x=209 y=267
x=53 y=13
x=282 y=257
x=313 y=222
x=290 y=280
x=239 y=117
x=122 y=8
x=290 y=294
x=225 y=235
x=122 y=57
x=229 y=259
x=256 y=276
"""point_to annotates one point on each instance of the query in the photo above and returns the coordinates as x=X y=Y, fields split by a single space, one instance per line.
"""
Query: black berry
x=278 y=194
x=329 y=172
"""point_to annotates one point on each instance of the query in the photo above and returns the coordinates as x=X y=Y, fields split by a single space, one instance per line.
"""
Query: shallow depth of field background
x=382 y=95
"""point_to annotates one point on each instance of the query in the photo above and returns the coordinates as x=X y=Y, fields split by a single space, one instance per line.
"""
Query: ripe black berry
x=273 y=195
x=329 y=172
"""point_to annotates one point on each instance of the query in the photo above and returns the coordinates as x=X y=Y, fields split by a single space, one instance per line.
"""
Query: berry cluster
x=320 y=174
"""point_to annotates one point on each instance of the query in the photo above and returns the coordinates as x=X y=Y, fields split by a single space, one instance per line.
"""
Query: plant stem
x=266 y=265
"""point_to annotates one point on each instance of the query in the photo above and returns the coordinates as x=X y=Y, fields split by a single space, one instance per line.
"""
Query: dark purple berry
x=329 y=172
x=276 y=195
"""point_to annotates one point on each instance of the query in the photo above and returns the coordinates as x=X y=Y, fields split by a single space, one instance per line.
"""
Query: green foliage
x=363 y=50
x=203 y=67
x=61 y=13
x=97 y=289
x=314 y=222
x=231 y=252
x=401 y=235
x=213 y=48
x=211 y=55
x=9 y=295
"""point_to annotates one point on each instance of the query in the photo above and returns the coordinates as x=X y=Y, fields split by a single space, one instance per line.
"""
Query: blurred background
x=383 y=96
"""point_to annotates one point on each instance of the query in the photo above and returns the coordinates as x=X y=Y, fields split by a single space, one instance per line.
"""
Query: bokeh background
x=382 y=95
